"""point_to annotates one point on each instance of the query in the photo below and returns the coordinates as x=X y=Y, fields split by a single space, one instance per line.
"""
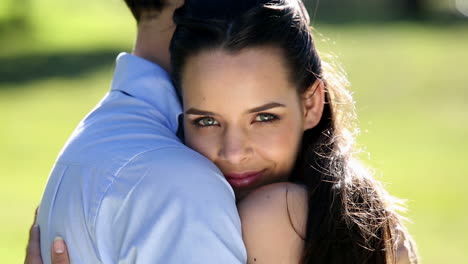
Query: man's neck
x=153 y=44
x=154 y=34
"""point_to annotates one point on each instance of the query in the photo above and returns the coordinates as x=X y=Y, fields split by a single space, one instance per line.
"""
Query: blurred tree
x=17 y=15
x=414 y=8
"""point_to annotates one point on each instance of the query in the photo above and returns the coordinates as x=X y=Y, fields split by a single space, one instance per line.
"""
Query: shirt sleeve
x=66 y=207
x=174 y=210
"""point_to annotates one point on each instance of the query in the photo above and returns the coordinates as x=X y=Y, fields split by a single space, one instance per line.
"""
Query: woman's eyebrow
x=265 y=107
x=195 y=111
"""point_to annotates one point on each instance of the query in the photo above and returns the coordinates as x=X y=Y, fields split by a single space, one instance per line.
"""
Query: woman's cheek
x=279 y=144
x=203 y=143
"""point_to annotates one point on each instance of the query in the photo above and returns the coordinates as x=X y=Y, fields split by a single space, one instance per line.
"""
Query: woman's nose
x=235 y=147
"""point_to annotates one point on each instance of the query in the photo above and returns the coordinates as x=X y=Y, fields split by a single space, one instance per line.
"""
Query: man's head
x=143 y=8
x=155 y=26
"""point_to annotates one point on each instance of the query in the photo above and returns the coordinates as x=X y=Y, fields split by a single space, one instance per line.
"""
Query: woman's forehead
x=253 y=73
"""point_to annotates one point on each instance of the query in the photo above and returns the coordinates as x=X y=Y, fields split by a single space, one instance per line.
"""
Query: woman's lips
x=238 y=180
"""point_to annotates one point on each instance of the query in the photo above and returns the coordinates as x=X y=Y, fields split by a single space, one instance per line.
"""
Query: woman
x=258 y=103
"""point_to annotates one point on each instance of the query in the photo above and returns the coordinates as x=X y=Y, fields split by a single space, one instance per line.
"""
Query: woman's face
x=242 y=112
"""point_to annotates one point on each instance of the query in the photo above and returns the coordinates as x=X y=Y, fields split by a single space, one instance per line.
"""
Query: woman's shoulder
x=273 y=222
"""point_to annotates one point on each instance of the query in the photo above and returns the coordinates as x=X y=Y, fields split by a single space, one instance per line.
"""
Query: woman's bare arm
x=273 y=223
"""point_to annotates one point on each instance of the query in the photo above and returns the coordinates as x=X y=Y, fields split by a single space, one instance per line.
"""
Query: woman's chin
x=241 y=194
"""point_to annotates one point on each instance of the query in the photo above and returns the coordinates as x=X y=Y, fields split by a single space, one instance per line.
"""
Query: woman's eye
x=206 y=121
x=265 y=117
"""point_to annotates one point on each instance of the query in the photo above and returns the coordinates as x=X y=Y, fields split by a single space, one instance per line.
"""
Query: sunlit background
x=407 y=62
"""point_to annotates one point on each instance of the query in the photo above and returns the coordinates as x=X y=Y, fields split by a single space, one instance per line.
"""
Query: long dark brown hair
x=350 y=218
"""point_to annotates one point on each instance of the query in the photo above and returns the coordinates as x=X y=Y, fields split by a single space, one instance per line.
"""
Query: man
x=124 y=188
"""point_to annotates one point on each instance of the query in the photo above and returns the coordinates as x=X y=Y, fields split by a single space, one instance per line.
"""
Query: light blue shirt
x=125 y=189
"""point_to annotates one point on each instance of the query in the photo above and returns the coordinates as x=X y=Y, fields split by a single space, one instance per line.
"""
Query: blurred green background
x=407 y=62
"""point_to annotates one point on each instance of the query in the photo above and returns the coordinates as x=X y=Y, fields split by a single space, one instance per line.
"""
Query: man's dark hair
x=137 y=6
x=204 y=8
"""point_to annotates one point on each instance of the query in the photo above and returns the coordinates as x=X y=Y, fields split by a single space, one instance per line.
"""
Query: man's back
x=125 y=189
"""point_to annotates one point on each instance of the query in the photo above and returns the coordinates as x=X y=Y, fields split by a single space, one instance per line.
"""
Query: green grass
x=410 y=83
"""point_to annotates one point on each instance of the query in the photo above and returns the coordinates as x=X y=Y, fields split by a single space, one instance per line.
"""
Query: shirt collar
x=148 y=82
x=131 y=69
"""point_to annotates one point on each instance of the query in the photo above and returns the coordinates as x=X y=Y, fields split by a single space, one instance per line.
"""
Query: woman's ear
x=313 y=100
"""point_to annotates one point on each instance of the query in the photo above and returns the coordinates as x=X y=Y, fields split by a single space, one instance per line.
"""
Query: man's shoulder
x=175 y=172
x=162 y=178
x=139 y=114
x=117 y=130
x=169 y=162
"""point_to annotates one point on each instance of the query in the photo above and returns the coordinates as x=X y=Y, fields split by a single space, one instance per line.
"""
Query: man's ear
x=313 y=100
